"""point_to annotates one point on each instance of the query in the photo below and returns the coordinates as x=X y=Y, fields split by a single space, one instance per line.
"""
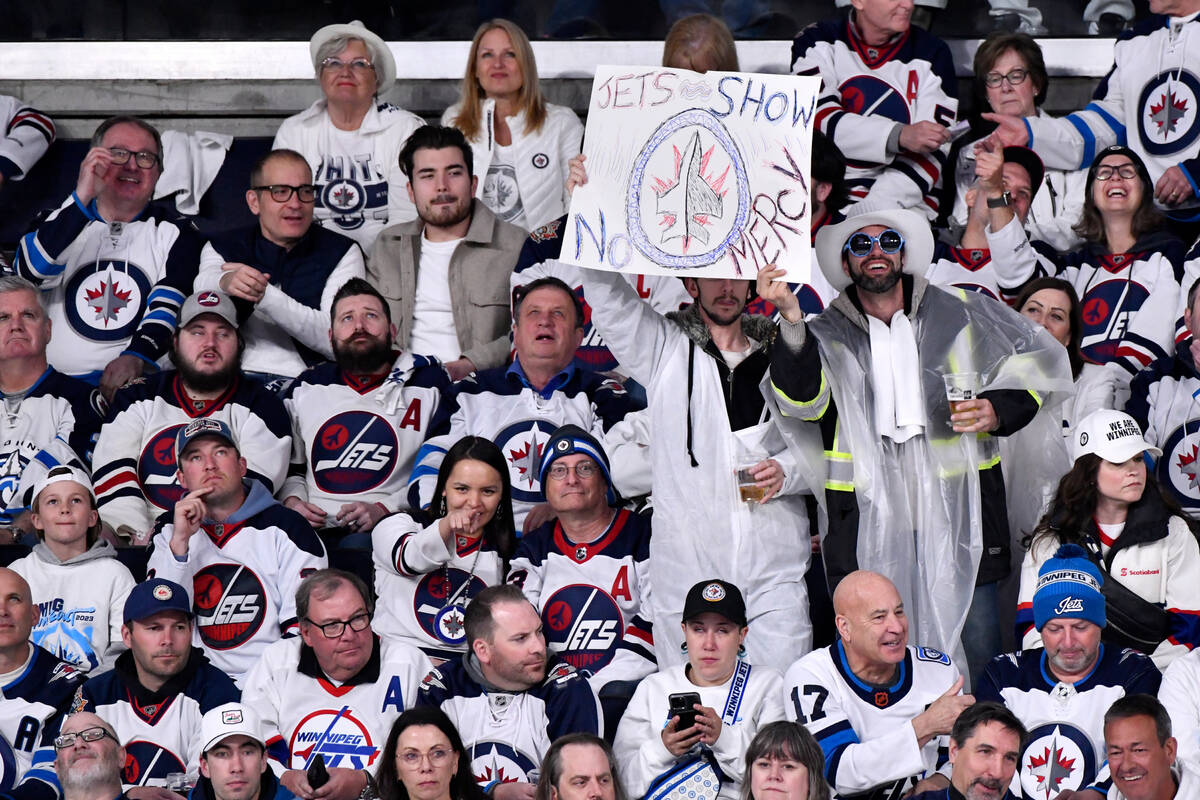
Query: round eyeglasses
x=860 y=244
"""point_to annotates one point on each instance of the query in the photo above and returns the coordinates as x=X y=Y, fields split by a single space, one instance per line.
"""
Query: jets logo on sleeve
x=156 y=469
x=354 y=451
x=106 y=304
x=582 y=623
x=336 y=735
x=230 y=605
x=146 y=762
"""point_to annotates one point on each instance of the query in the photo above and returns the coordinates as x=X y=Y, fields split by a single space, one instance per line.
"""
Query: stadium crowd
x=377 y=498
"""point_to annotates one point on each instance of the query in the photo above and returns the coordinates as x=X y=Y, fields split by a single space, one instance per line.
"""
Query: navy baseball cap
x=205 y=426
x=154 y=595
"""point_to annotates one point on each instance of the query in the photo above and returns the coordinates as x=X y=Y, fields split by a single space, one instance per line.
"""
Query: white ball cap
x=231 y=719
x=61 y=473
x=1112 y=435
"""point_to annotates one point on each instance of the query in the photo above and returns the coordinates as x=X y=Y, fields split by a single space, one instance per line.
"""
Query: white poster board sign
x=695 y=174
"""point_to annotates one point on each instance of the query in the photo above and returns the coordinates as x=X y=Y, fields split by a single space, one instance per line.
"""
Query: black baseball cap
x=717 y=596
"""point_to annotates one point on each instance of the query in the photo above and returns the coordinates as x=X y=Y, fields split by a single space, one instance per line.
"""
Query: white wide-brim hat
x=918 y=242
x=385 y=67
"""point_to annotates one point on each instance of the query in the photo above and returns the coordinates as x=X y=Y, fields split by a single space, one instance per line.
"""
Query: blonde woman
x=521 y=143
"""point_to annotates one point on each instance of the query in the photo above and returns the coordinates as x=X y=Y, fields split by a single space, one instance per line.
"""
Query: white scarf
x=896 y=375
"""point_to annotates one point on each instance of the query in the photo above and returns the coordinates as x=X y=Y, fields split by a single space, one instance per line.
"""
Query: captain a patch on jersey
x=354 y=451
x=230 y=604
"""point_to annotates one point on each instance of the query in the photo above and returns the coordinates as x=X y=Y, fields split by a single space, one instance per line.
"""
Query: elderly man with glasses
x=114 y=267
x=910 y=385
x=334 y=692
x=282 y=272
x=89 y=759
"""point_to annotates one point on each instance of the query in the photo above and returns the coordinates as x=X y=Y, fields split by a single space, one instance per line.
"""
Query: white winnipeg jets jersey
x=243 y=579
x=159 y=730
x=594 y=598
x=1065 y=747
x=135 y=473
x=304 y=714
x=356 y=441
x=870 y=747
x=423 y=588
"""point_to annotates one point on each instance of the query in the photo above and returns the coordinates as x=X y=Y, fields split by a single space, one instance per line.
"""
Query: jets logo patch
x=156 y=469
x=498 y=761
x=439 y=589
x=522 y=444
x=1167 y=118
x=583 y=624
x=106 y=304
x=337 y=736
x=353 y=452
x=147 y=761
x=230 y=605
x=1058 y=757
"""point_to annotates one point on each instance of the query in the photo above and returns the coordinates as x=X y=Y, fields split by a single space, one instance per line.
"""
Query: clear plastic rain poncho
x=920 y=520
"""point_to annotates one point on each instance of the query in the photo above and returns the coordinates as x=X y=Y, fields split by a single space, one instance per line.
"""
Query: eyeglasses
x=1014 y=77
x=356 y=64
x=282 y=192
x=1106 y=173
x=143 y=158
x=583 y=470
x=333 y=630
x=889 y=241
x=65 y=740
x=412 y=759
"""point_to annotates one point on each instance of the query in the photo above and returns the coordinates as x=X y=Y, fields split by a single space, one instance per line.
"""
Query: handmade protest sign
x=705 y=175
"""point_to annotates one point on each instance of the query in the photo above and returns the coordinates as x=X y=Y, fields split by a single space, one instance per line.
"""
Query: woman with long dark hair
x=1140 y=538
x=428 y=565
x=424 y=759
x=1124 y=274
x=521 y=143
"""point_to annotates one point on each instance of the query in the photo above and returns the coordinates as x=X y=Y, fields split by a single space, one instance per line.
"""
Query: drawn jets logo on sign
x=680 y=212
x=689 y=205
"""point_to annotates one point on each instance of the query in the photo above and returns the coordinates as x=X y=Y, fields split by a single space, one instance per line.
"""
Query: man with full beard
x=89 y=758
x=359 y=420
x=913 y=485
x=135 y=473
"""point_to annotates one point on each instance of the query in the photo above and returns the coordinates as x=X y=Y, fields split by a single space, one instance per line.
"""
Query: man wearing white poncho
x=906 y=493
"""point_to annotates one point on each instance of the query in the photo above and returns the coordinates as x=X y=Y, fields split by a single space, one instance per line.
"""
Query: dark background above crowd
x=132 y=20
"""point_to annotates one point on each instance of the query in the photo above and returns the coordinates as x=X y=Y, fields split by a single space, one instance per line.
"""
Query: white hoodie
x=81 y=603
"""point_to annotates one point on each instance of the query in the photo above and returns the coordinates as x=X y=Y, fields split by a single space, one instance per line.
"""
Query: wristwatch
x=1003 y=201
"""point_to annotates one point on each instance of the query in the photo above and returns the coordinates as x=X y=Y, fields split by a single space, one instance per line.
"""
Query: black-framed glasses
x=332 y=630
x=889 y=241
x=357 y=64
x=282 y=192
x=1106 y=173
x=65 y=740
x=1014 y=77
x=143 y=158
x=583 y=470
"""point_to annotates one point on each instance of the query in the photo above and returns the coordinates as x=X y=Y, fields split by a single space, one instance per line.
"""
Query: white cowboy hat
x=918 y=242
x=385 y=68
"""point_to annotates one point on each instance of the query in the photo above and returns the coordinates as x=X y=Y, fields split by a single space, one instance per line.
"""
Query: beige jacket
x=479 y=273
